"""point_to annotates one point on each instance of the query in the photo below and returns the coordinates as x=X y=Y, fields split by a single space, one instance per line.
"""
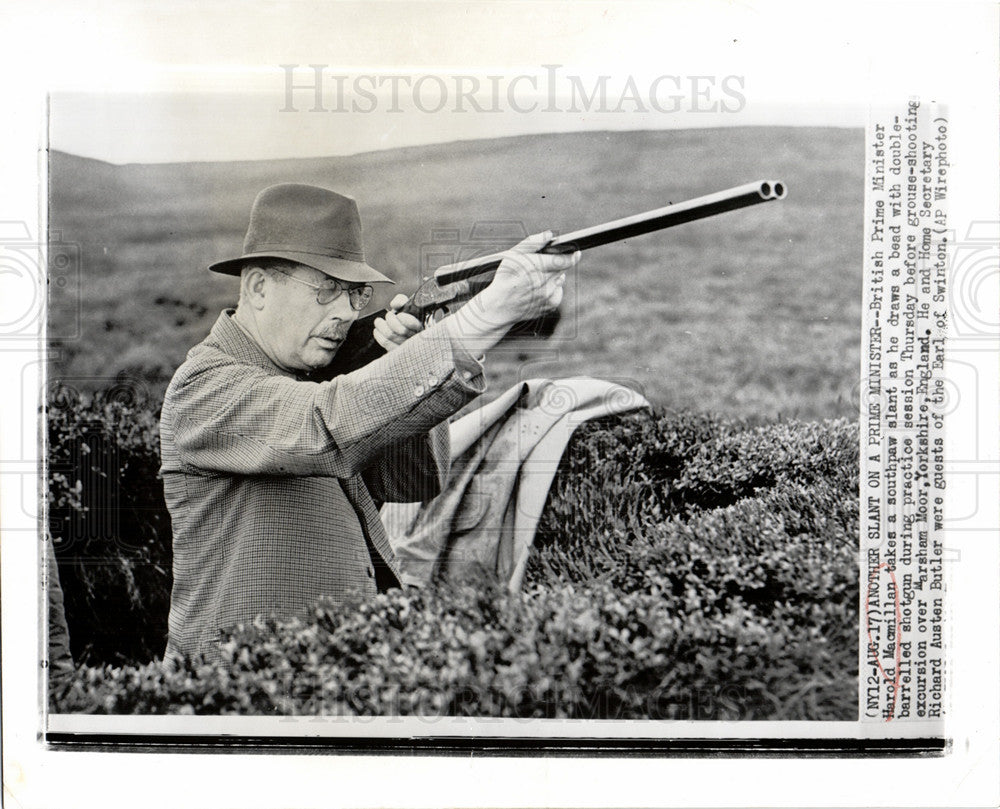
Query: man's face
x=299 y=333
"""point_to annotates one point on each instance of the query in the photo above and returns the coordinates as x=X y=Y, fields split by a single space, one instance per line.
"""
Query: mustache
x=336 y=332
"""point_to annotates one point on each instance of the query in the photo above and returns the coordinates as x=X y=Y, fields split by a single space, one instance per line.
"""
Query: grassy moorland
x=753 y=314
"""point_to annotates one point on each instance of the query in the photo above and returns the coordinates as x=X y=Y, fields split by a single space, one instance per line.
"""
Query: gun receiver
x=453 y=284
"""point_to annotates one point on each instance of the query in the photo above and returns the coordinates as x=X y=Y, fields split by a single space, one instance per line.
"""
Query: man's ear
x=254 y=286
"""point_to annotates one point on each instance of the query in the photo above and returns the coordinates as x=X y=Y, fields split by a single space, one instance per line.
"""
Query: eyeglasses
x=359 y=296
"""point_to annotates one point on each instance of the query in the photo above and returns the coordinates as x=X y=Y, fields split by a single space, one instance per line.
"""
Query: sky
x=155 y=88
x=177 y=127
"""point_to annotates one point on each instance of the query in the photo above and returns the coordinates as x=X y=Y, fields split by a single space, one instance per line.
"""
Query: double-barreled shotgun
x=453 y=284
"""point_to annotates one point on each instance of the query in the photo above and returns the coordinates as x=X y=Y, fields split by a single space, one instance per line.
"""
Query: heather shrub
x=685 y=566
x=109 y=525
x=567 y=652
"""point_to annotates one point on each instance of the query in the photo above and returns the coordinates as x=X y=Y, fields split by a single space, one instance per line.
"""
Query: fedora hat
x=309 y=225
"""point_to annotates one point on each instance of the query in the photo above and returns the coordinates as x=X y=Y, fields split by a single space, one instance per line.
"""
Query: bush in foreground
x=686 y=567
x=568 y=652
x=109 y=525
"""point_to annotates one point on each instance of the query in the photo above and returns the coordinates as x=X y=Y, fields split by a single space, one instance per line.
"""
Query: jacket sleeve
x=413 y=470
x=227 y=417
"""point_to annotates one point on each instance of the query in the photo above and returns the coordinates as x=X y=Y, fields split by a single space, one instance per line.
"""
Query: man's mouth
x=329 y=342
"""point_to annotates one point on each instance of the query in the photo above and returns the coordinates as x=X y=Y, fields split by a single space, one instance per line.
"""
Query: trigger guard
x=434 y=316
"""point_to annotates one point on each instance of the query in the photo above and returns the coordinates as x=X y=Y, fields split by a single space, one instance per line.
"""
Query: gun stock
x=453 y=284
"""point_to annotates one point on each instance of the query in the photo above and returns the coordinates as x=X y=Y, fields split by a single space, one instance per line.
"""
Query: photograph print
x=437 y=394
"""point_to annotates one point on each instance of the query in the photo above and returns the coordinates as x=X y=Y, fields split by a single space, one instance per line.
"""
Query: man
x=272 y=480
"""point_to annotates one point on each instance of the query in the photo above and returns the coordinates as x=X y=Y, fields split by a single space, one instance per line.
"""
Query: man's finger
x=533 y=243
x=556 y=263
x=387 y=338
x=398 y=302
x=570 y=260
x=411 y=323
x=396 y=325
x=382 y=329
x=388 y=345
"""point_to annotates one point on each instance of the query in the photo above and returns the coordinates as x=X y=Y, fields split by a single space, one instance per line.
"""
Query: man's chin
x=320 y=356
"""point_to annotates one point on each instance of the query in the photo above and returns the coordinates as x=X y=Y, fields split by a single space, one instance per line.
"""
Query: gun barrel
x=669 y=216
x=360 y=347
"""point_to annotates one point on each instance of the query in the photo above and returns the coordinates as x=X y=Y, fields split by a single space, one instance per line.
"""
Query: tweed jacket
x=273 y=481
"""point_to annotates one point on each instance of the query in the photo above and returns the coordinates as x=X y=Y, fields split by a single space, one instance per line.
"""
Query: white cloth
x=504 y=457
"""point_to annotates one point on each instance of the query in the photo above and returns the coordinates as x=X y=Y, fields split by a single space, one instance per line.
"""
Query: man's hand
x=396 y=327
x=526 y=285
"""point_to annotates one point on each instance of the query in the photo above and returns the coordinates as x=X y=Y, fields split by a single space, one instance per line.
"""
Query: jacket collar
x=231 y=338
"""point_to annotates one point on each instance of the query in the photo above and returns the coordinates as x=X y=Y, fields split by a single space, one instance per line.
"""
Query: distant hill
x=753 y=313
